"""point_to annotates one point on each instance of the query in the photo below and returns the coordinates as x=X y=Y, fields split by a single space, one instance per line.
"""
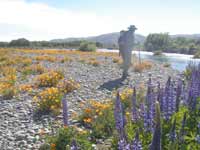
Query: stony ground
x=20 y=129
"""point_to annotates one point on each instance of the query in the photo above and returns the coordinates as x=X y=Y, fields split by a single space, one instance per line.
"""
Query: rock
x=20 y=135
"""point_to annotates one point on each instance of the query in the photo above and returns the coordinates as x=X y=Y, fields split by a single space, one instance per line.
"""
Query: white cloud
x=41 y=21
x=38 y=21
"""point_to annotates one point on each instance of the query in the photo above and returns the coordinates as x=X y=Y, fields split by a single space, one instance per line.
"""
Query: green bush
x=158 y=53
x=197 y=55
x=66 y=135
x=87 y=46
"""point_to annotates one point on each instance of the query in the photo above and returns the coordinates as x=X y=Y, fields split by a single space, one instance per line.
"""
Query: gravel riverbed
x=21 y=130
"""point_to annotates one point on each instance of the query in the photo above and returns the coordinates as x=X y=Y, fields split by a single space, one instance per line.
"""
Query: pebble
x=18 y=127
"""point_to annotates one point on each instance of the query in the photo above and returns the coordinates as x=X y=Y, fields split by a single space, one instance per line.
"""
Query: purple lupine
x=123 y=145
x=194 y=87
x=160 y=96
x=136 y=144
x=178 y=94
x=156 y=141
x=65 y=111
x=142 y=110
x=198 y=133
x=150 y=94
x=134 y=108
x=169 y=100
x=198 y=139
x=182 y=131
x=149 y=111
x=148 y=120
x=73 y=145
x=119 y=117
x=172 y=134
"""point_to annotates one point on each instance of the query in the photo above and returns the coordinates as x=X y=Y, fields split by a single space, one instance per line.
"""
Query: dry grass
x=144 y=65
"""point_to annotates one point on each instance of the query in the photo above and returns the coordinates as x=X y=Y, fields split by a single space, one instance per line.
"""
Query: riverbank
x=177 y=61
x=98 y=75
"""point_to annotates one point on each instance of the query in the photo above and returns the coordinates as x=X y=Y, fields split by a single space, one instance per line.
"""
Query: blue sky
x=48 y=19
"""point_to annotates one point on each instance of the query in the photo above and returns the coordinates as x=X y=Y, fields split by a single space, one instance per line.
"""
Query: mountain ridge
x=111 y=39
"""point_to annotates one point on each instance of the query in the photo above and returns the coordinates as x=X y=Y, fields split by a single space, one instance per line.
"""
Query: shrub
x=196 y=55
x=26 y=62
x=33 y=69
x=94 y=63
x=49 y=79
x=45 y=58
x=158 y=53
x=117 y=60
x=66 y=135
x=87 y=46
x=66 y=86
x=99 y=118
x=65 y=59
x=49 y=100
x=26 y=88
x=144 y=65
x=7 y=91
x=167 y=65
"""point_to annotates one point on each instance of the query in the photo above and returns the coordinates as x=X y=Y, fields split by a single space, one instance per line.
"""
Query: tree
x=87 y=46
x=19 y=43
x=155 y=42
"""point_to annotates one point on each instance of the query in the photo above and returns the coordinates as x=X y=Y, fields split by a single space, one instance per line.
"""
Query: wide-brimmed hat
x=132 y=27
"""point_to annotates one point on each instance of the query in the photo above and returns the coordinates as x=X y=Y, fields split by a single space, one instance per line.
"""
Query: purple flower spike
x=172 y=135
x=73 y=145
x=156 y=141
x=169 y=100
x=123 y=145
x=65 y=111
x=178 y=93
x=136 y=144
x=182 y=131
x=119 y=117
x=134 y=109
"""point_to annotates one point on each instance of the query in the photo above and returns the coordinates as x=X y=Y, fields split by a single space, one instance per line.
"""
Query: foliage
x=49 y=99
x=163 y=42
x=87 y=46
x=99 y=118
x=45 y=58
x=26 y=88
x=197 y=55
x=157 y=53
x=157 y=42
x=65 y=136
x=33 y=69
x=7 y=83
x=66 y=86
x=144 y=65
x=49 y=79
x=19 y=43
x=94 y=63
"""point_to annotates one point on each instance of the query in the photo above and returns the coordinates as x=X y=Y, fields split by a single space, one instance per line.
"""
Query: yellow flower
x=87 y=120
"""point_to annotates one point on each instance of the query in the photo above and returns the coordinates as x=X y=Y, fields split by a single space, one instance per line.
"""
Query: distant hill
x=190 y=36
x=108 y=40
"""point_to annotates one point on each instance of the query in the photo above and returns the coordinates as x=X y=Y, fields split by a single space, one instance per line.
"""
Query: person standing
x=126 y=44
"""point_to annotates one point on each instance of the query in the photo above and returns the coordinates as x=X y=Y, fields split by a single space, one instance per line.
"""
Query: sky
x=51 y=19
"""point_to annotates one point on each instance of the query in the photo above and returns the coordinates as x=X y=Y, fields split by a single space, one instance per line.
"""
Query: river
x=177 y=61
